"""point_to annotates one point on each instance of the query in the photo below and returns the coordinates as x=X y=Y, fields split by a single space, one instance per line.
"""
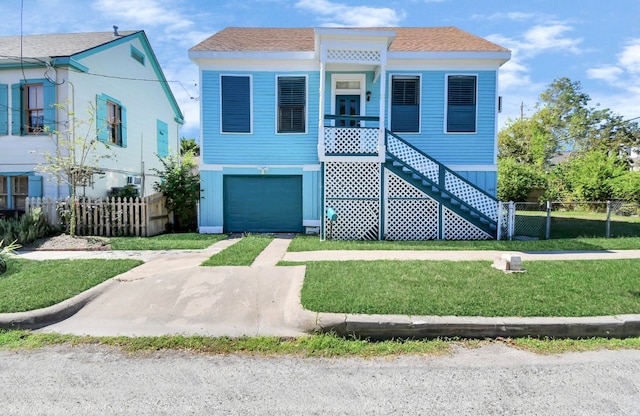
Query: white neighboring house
x=115 y=73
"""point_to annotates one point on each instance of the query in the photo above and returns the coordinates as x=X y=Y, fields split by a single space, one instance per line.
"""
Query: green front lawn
x=30 y=284
x=175 y=241
x=242 y=253
x=473 y=288
x=313 y=243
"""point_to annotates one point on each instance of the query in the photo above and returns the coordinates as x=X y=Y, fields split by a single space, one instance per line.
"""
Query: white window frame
x=390 y=99
x=362 y=91
x=306 y=103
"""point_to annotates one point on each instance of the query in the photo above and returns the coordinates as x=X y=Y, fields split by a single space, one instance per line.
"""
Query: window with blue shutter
x=461 y=104
x=236 y=104
x=162 y=133
x=292 y=99
x=111 y=121
x=33 y=108
x=405 y=104
x=4 y=109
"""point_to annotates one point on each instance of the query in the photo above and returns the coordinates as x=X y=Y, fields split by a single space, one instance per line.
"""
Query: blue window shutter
x=35 y=186
x=236 y=104
x=49 y=105
x=162 y=132
x=123 y=125
x=16 y=110
x=461 y=104
x=101 y=117
x=4 y=109
x=405 y=104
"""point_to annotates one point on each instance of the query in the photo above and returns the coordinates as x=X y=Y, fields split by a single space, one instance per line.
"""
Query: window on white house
x=34 y=108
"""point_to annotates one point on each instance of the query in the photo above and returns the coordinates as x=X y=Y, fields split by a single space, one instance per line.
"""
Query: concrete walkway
x=172 y=294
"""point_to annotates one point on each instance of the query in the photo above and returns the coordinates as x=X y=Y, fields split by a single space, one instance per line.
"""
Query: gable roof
x=55 y=44
x=407 y=39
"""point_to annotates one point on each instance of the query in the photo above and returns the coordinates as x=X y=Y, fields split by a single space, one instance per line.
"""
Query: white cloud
x=544 y=38
x=609 y=74
x=335 y=14
x=144 y=13
x=629 y=58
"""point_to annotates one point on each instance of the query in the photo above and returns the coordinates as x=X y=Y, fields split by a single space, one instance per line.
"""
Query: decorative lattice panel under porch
x=457 y=228
x=409 y=213
x=352 y=189
x=351 y=141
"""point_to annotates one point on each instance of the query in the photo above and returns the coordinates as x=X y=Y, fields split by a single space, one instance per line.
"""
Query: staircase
x=442 y=184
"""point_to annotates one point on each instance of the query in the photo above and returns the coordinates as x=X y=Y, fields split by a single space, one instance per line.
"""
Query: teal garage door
x=262 y=204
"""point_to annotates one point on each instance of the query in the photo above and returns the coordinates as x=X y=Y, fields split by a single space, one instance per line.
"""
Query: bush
x=29 y=227
x=627 y=187
x=516 y=180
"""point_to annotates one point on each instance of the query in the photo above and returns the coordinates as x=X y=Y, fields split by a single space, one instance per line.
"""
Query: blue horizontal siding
x=485 y=180
x=454 y=148
x=263 y=146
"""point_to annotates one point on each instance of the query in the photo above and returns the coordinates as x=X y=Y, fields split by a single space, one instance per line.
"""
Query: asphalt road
x=492 y=380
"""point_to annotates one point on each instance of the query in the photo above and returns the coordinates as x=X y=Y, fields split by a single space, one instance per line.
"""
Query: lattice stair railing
x=443 y=180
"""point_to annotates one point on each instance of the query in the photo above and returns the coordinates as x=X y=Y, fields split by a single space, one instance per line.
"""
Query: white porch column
x=383 y=107
x=321 y=150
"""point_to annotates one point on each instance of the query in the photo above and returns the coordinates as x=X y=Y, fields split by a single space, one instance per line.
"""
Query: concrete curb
x=39 y=318
x=379 y=327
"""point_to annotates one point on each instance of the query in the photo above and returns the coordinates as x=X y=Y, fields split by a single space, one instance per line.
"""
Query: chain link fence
x=562 y=219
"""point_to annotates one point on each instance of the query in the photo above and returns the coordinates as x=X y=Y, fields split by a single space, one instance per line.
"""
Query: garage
x=262 y=204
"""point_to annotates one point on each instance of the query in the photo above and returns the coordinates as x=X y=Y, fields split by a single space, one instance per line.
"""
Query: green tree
x=180 y=184
x=592 y=175
x=516 y=180
x=189 y=145
x=77 y=155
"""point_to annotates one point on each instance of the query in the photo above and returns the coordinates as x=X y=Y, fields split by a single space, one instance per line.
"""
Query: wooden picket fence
x=108 y=217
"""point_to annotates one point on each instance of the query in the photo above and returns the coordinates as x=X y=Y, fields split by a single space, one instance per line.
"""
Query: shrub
x=516 y=180
x=25 y=230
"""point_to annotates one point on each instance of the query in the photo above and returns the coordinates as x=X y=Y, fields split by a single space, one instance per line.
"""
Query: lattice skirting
x=457 y=228
x=355 y=192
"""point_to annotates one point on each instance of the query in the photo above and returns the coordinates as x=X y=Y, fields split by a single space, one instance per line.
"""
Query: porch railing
x=347 y=135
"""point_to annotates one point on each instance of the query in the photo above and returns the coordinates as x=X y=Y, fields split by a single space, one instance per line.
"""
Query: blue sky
x=595 y=42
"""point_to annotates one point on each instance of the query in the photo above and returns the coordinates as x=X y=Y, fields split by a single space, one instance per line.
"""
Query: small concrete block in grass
x=509 y=263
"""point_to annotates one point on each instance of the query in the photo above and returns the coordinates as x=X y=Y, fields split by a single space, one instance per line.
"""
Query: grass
x=320 y=345
x=177 y=241
x=473 y=288
x=30 y=284
x=242 y=253
x=313 y=243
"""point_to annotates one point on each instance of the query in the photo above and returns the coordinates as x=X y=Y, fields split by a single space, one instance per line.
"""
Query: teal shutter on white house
x=35 y=186
x=4 y=109
x=123 y=125
x=461 y=104
x=101 y=119
x=405 y=104
x=16 y=110
x=291 y=104
x=236 y=104
x=162 y=132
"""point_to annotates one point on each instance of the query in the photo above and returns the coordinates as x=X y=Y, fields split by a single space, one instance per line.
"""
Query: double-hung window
x=235 y=111
x=4 y=192
x=114 y=123
x=111 y=118
x=292 y=100
x=405 y=104
x=32 y=107
x=461 y=103
x=14 y=191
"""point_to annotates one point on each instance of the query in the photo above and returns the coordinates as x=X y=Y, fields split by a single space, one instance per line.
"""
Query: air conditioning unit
x=134 y=180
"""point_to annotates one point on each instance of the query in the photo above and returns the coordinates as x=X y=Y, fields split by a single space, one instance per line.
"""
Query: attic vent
x=137 y=55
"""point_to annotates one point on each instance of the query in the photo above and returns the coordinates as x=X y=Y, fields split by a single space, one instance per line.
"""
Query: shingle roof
x=55 y=44
x=408 y=39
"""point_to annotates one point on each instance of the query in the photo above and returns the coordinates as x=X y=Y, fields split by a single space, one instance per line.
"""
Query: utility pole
x=521 y=110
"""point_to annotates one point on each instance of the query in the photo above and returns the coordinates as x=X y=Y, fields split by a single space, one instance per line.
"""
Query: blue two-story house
x=393 y=131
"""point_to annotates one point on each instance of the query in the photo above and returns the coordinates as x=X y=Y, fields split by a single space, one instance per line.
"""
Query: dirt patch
x=66 y=242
